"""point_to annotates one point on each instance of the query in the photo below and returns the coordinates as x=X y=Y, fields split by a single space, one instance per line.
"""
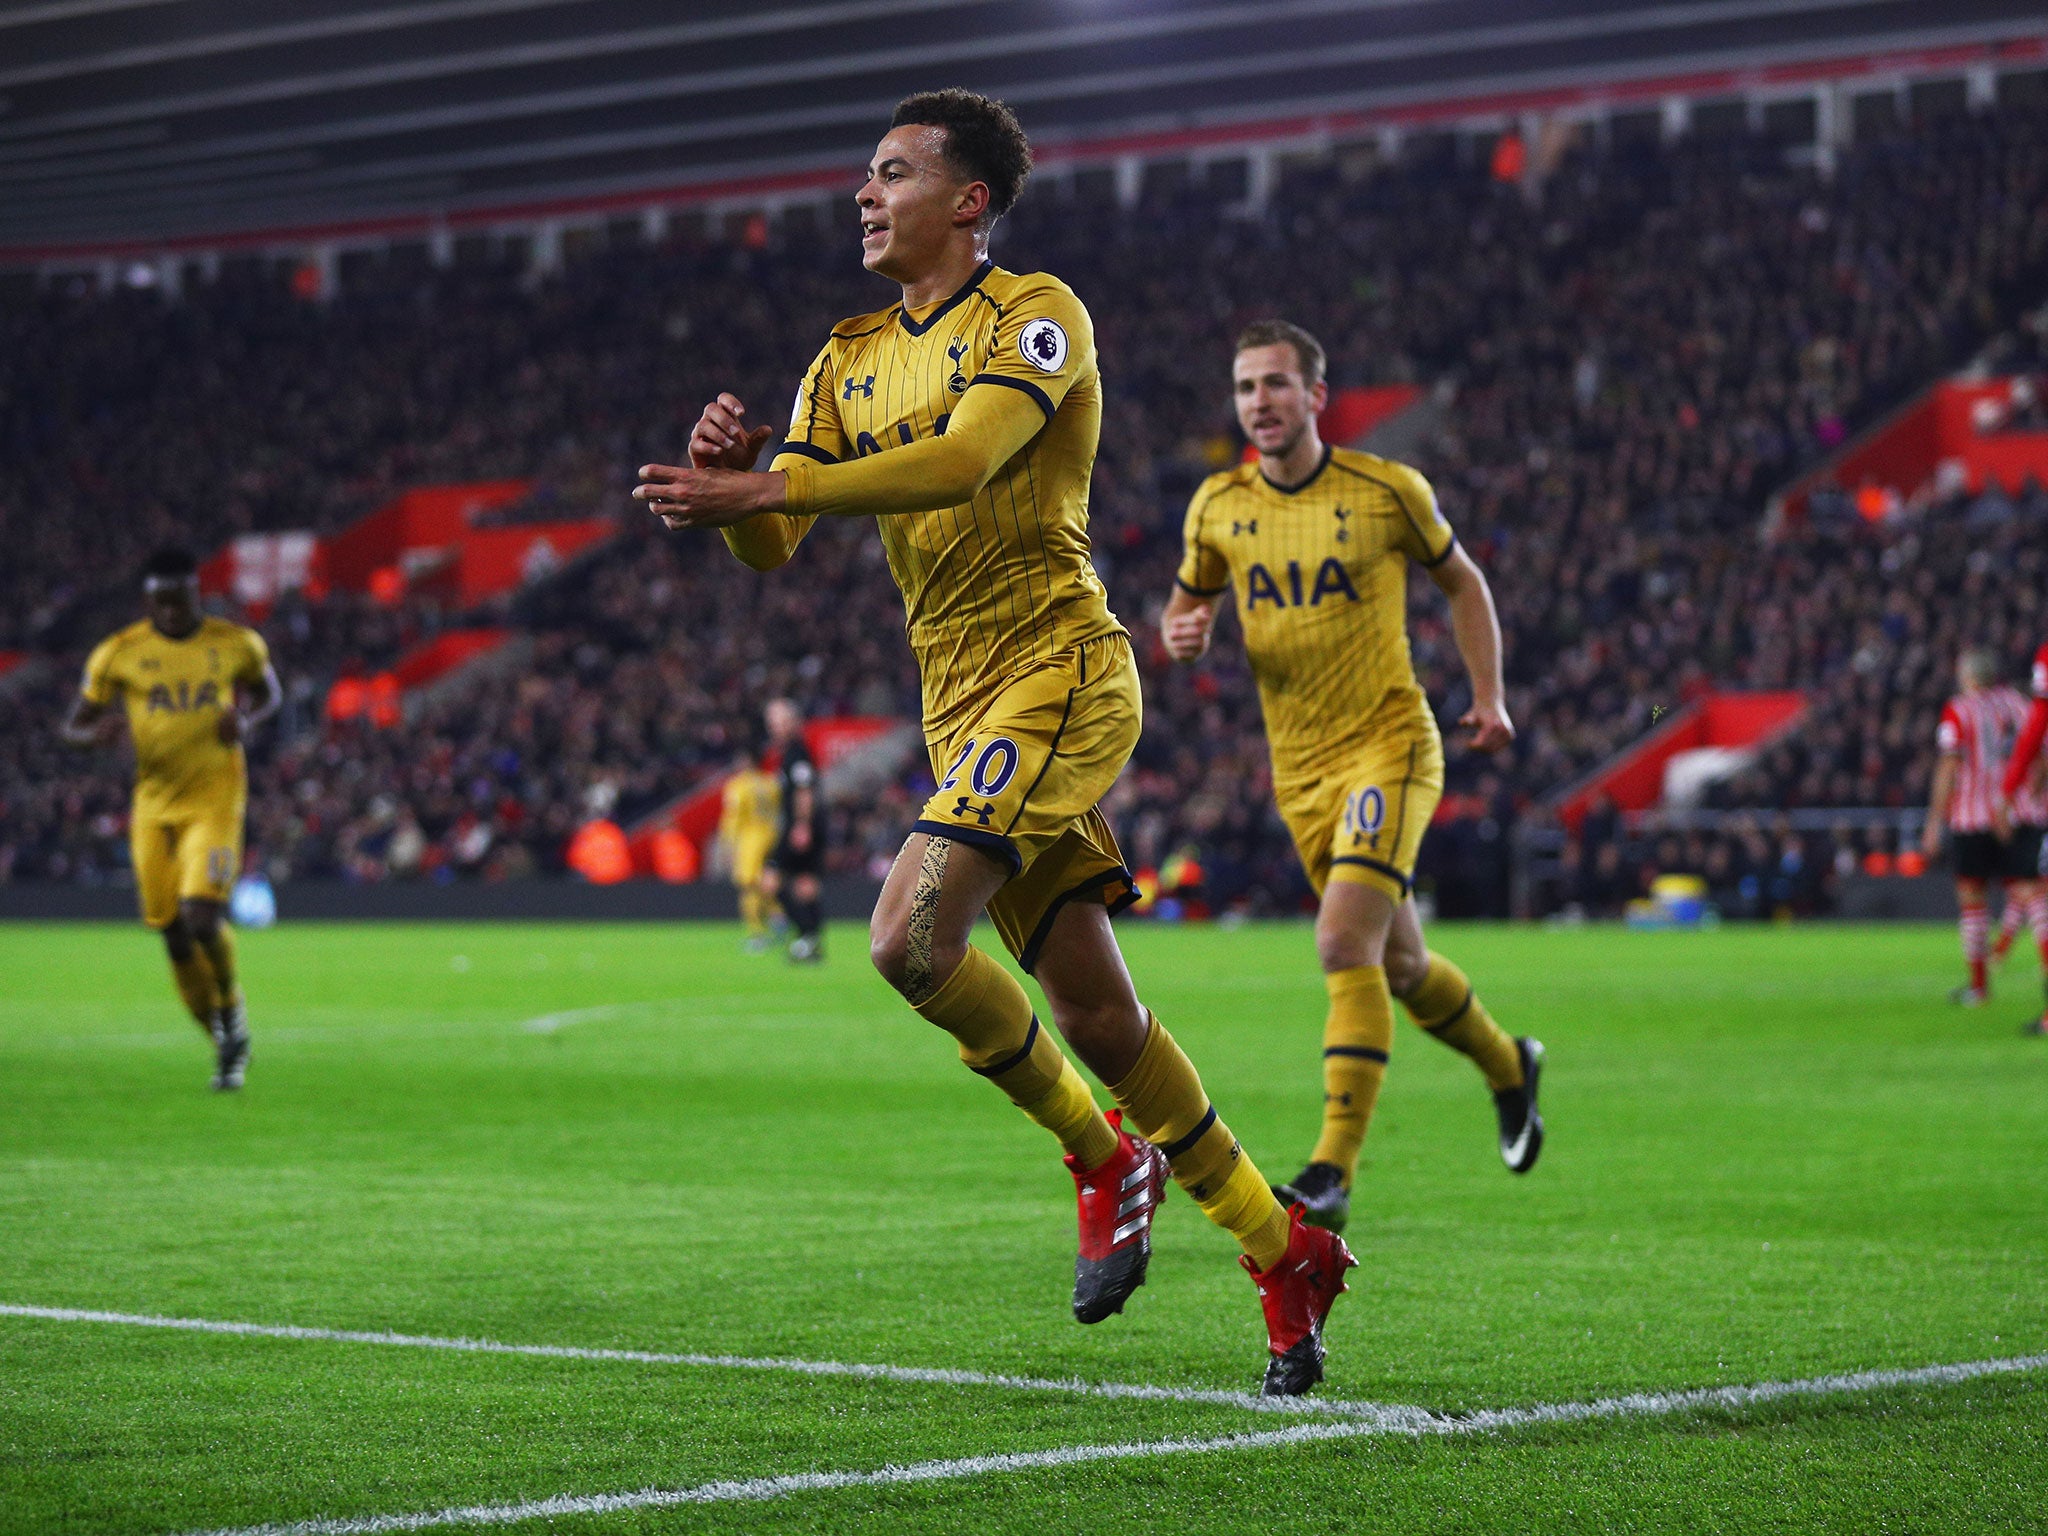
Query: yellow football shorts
x=1363 y=821
x=750 y=852
x=184 y=856
x=1023 y=781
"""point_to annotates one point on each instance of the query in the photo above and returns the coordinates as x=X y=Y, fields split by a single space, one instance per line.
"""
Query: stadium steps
x=1900 y=458
x=1734 y=724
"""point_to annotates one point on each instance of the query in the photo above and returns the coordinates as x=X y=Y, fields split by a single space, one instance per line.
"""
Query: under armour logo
x=985 y=811
x=1250 y=527
x=866 y=387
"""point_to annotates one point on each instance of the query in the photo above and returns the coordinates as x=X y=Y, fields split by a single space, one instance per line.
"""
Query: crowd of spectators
x=1624 y=361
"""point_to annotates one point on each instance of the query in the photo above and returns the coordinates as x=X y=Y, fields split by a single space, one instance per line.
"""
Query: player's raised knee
x=1406 y=970
x=1340 y=947
x=915 y=963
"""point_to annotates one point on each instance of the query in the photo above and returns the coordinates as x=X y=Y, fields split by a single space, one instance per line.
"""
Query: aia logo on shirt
x=1331 y=581
x=162 y=698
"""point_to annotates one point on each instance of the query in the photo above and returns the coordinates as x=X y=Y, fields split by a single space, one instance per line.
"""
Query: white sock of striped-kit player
x=1975 y=924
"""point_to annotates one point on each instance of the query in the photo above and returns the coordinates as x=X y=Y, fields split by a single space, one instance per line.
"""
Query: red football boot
x=1297 y=1294
x=1117 y=1202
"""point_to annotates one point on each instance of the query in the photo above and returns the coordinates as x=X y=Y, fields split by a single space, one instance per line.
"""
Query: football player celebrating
x=964 y=418
x=1315 y=543
x=192 y=687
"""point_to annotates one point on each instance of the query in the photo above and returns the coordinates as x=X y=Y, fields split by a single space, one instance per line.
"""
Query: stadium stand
x=1626 y=361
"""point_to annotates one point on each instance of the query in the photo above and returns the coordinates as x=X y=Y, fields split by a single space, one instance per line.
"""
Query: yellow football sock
x=983 y=1008
x=754 y=912
x=1356 y=1039
x=220 y=954
x=1162 y=1094
x=194 y=978
x=1446 y=1006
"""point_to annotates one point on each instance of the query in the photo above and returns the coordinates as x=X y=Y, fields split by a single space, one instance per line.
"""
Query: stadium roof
x=151 y=120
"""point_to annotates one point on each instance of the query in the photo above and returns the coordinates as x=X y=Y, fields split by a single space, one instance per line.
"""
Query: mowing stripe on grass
x=1635 y=1405
x=1388 y=1415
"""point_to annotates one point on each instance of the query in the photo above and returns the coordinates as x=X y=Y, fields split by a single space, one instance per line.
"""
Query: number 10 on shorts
x=1365 y=810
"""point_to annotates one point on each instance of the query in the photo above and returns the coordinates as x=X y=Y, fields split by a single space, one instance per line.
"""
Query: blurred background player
x=2024 y=812
x=966 y=419
x=1315 y=543
x=749 y=821
x=1978 y=728
x=797 y=866
x=192 y=687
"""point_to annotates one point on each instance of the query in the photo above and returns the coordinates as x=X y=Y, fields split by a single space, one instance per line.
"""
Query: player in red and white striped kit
x=1976 y=735
x=2025 y=792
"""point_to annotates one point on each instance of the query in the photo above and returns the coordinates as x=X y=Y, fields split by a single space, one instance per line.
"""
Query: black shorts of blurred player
x=2024 y=853
x=789 y=863
x=1984 y=856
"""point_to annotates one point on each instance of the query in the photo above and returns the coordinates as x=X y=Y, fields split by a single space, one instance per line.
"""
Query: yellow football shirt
x=1002 y=580
x=752 y=800
x=1320 y=575
x=174 y=692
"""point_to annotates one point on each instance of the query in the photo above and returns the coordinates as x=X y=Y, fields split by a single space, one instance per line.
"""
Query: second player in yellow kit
x=747 y=821
x=1319 y=572
x=964 y=419
x=1314 y=545
x=190 y=687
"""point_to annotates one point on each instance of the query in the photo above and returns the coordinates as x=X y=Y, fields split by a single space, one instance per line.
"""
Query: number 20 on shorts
x=993 y=769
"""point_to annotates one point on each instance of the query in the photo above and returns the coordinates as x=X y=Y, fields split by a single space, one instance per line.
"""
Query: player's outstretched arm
x=991 y=425
x=85 y=724
x=256 y=702
x=1475 y=626
x=987 y=430
x=1187 y=625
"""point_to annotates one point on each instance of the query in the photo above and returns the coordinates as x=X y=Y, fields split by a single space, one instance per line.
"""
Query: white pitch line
x=1389 y=1415
x=1640 y=1405
x=549 y=1023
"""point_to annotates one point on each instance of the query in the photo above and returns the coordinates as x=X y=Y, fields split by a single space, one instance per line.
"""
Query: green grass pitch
x=1774 y=1154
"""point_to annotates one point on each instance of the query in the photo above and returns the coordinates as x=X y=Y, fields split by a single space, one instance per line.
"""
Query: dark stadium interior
x=565 y=945
x=1626 y=358
x=178 y=119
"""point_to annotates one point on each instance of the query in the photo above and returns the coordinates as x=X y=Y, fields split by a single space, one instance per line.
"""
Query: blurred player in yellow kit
x=1314 y=543
x=965 y=420
x=192 y=686
x=747 y=821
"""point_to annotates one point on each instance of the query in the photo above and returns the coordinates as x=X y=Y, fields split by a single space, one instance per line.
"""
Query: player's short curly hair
x=984 y=140
x=1273 y=333
x=171 y=563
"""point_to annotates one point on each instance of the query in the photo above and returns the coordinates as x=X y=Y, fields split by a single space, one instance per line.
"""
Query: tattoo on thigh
x=918 y=983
